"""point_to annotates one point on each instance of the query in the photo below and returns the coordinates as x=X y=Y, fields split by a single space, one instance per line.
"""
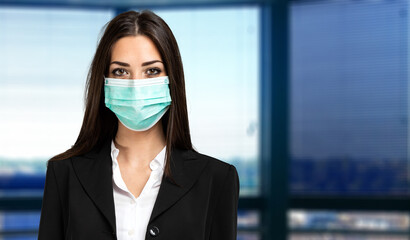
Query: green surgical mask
x=138 y=103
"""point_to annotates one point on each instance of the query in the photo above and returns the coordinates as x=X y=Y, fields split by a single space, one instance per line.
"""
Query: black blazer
x=78 y=200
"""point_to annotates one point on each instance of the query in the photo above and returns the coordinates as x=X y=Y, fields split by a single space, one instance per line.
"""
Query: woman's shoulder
x=59 y=164
x=221 y=175
x=95 y=155
x=215 y=166
x=215 y=162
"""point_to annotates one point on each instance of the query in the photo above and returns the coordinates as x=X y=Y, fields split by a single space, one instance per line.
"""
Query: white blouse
x=132 y=214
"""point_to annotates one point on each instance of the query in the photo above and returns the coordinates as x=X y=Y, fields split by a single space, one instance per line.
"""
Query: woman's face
x=135 y=57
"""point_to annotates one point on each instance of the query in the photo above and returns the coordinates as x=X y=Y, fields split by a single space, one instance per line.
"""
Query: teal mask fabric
x=138 y=103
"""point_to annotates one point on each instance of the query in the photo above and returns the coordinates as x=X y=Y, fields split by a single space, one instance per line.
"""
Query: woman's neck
x=137 y=149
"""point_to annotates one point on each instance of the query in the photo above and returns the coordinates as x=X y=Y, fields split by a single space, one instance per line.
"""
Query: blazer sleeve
x=51 y=221
x=224 y=224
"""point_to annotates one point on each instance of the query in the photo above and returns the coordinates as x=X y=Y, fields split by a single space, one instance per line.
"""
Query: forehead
x=135 y=49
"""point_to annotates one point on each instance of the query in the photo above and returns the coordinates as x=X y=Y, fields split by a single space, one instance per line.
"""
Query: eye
x=153 y=71
x=119 y=72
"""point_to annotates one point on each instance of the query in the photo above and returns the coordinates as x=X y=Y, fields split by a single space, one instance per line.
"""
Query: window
x=349 y=98
x=44 y=61
x=348 y=225
x=44 y=58
x=219 y=49
x=349 y=119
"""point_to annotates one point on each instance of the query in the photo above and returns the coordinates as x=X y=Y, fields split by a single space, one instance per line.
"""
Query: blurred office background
x=309 y=99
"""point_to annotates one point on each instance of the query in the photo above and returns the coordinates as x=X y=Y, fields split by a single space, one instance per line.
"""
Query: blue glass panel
x=348 y=225
x=349 y=97
x=15 y=221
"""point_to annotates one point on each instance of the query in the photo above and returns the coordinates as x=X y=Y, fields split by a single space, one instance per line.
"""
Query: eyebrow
x=143 y=64
x=121 y=63
x=150 y=62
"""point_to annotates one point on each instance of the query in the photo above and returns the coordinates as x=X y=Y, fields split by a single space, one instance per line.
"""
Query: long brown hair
x=100 y=124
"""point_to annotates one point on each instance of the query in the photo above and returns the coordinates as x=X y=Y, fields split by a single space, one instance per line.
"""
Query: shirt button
x=153 y=231
x=132 y=202
x=131 y=232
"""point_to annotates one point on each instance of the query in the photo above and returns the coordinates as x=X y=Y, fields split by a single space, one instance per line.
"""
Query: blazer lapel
x=185 y=170
x=94 y=171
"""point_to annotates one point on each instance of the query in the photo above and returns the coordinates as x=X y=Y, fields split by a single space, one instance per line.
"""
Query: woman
x=132 y=173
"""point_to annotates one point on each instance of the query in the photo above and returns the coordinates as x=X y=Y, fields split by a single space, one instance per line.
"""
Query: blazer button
x=153 y=231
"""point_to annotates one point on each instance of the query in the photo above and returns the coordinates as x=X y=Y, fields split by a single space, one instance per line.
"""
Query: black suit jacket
x=201 y=204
